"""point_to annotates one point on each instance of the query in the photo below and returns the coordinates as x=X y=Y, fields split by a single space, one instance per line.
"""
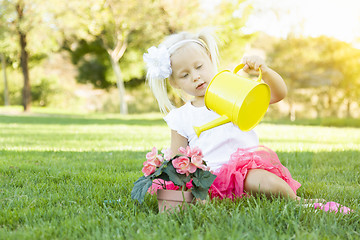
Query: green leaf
x=140 y=188
x=160 y=170
x=176 y=178
x=199 y=192
x=162 y=176
x=203 y=179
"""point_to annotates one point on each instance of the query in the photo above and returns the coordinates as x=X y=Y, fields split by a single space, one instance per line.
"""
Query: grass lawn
x=70 y=177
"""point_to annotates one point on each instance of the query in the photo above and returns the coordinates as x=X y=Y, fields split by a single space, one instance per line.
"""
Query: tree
x=24 y=56
x=228 y=19
x=3 y=57
x=123 y=27
x=6 y=91
x=93 y=64
x=112 y=24
x=27 y=20
x=325 y=65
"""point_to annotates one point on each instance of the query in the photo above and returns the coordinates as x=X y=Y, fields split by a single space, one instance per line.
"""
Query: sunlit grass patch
x=70 y=177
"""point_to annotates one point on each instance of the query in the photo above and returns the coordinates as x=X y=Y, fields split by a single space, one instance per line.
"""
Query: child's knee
x=260 y=180
x=255 y=180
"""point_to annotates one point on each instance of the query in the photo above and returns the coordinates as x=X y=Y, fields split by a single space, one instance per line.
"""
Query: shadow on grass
x=67 y=120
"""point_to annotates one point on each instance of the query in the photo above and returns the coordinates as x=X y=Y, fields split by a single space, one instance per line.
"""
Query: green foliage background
x=321 y=73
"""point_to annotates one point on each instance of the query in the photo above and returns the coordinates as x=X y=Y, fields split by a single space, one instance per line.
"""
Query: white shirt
x=216 y=144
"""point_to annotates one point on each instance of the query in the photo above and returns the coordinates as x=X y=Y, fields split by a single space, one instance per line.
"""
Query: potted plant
x=186 y=175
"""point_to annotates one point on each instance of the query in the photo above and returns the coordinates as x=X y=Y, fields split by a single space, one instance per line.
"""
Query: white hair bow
x=158 y=62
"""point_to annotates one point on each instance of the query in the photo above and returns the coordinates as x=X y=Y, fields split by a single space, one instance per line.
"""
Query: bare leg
x=260 y=181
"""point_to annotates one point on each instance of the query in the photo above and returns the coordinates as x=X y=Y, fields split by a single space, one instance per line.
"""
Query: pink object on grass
x=333 y=207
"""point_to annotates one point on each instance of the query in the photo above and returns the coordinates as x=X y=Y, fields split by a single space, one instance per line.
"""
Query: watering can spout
x=217 y=122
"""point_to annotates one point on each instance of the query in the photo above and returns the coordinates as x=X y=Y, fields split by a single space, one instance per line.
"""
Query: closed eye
x=199 y=66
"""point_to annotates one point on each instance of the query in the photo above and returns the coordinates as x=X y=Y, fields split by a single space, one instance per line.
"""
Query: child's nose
x=196 y=77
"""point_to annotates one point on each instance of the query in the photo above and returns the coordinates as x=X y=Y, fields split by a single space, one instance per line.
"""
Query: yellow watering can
x=237 y=99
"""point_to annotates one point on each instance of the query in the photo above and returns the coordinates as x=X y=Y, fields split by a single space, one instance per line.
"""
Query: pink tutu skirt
x=229 y=182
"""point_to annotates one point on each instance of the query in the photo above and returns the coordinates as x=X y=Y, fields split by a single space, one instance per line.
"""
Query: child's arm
x=177 y=141
x=273 y=79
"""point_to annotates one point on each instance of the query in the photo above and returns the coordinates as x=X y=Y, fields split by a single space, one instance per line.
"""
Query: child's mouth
x=200 y=86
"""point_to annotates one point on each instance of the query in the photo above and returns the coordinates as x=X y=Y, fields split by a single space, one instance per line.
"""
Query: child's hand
x=273 y=79
x=253 y=63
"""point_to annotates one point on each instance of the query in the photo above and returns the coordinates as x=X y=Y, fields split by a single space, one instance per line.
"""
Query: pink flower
x=197 y=161
x=195 y=154
x=183 y=165
x=149 y=168
x=195 y=151
x=167 y=154
x=185 y=151
x=154 y=157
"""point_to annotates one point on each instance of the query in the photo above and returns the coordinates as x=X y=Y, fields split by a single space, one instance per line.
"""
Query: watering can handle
x=240 y=66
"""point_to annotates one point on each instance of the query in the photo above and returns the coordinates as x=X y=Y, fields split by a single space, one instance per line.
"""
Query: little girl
x=189 y=62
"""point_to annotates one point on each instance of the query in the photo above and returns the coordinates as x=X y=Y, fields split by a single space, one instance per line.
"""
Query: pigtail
x=159 y=89
x=158 y=66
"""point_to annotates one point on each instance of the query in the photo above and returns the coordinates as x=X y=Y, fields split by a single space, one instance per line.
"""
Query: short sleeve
x=175 y=121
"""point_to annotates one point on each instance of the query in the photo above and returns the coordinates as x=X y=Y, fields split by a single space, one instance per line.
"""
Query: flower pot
x=173 y=199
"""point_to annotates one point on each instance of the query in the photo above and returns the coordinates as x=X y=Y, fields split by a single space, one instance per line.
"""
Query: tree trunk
x=348 y=108
x=120 y=86
x=6 y=90
x=25 y=69
x=318 y=109
x=348 y=102
x=24 y=58
x=292 y=112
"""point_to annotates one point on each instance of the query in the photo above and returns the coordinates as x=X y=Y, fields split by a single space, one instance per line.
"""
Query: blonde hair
x=159 y=86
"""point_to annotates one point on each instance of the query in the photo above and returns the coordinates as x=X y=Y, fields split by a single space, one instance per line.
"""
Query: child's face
x=192 y=69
